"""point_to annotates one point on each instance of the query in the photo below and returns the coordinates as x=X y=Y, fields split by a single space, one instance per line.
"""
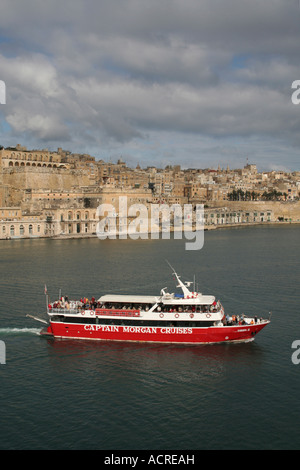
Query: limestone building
x=47 y=193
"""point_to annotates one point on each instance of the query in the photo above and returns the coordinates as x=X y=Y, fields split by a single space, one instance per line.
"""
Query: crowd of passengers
x=83 y=304
x=239 y=320
x=86 y=304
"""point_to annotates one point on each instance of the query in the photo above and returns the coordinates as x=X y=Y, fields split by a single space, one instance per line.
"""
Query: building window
x=21 y=229
x=30 y=229
x=12 y=230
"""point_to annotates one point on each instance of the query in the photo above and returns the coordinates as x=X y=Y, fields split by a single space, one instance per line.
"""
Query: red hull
x=156 y=334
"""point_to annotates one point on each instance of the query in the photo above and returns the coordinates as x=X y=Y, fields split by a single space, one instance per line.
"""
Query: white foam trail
x=19 y=331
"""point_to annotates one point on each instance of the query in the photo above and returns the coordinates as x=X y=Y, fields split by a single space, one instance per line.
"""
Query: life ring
x=192 y=315
x=208 y=315
x=82 y=312
x=92 y=312
x=176 y=315
x=161 y=315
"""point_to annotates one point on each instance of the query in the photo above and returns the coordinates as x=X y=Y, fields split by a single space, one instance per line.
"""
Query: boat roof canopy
x=168 y=299
x=133 y=299
x=185 y=298
x=196 y=300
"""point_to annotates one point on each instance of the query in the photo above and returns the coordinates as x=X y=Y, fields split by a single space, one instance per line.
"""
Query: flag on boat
x=46 y=291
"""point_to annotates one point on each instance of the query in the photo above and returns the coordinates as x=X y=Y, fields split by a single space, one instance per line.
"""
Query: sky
x=199 y=83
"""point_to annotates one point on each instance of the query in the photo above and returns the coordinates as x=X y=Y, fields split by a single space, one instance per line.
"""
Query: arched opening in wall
x=10 y=164
x=28 y=164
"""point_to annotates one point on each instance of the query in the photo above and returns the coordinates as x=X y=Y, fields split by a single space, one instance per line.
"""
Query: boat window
x=129 y=322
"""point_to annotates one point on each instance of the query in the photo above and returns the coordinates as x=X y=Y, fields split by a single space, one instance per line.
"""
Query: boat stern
x=47 y=331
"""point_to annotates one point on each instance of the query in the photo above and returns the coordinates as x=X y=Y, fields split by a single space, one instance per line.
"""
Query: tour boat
x=185 y=318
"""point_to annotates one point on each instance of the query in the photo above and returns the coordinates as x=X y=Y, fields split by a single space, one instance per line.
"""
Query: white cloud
x=106 y=74
x=41 y=126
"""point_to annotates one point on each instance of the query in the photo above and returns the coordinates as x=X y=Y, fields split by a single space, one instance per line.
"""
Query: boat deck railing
x=66 y=311
x=76 y=311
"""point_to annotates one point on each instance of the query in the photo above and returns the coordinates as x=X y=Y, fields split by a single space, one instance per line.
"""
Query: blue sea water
x=117 y=396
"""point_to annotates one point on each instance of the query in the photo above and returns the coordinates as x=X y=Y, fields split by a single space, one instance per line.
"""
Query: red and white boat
x=186 y=318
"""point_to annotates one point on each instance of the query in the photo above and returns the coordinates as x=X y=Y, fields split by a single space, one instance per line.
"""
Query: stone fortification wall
x=44 y=178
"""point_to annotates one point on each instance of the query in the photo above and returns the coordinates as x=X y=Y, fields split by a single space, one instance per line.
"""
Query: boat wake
x=19 y=331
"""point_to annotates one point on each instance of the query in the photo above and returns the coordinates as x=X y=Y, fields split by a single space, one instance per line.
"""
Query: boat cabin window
x=126 y=306
x=125 y=322
x=183 y=308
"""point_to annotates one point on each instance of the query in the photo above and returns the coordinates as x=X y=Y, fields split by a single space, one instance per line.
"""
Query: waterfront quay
x=56 y=194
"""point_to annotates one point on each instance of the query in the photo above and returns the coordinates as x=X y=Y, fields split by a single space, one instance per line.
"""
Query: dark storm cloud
x=101 y=73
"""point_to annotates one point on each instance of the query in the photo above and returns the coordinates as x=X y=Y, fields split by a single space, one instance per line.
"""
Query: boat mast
x=184 y=288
